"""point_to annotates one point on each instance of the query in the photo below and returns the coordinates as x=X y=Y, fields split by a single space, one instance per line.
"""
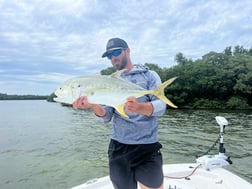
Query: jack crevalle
x=110 y=90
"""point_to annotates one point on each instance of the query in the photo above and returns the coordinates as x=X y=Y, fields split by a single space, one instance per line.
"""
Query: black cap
x=114 y=44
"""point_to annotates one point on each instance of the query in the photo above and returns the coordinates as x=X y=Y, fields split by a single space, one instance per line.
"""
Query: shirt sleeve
x=159 y=107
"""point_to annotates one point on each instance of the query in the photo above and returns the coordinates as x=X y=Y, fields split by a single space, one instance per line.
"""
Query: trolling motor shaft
x=219 y=160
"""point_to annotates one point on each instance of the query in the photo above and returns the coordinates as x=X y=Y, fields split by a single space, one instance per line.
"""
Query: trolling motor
x=220 y=160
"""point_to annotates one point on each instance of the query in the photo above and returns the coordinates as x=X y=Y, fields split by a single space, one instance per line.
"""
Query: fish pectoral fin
x=120 y=109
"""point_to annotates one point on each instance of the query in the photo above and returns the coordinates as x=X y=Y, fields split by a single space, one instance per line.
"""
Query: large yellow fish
x=110 y=90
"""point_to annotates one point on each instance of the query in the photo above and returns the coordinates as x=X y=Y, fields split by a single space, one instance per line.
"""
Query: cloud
x=44 y=42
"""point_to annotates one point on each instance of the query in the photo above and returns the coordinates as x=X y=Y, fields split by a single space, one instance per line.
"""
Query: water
x=45 y=145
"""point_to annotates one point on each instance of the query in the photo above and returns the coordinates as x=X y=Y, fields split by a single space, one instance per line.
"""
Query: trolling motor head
x=222 y=122
x=219 y=160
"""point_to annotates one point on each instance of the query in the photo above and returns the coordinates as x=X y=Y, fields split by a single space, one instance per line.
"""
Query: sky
x=45 y=42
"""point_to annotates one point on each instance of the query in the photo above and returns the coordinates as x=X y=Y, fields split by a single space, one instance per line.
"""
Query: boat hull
x=184 y=176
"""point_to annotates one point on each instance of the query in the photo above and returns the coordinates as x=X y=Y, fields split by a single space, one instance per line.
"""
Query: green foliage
x=205 y=104
x=108 y=71
x=218 y=80
x=237 y=103
x=21 y=97
x=181 y=59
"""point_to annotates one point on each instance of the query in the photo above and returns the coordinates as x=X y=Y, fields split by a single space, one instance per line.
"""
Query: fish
x=110 y=90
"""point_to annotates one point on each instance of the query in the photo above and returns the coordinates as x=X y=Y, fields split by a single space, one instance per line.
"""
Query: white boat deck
x=184 y=176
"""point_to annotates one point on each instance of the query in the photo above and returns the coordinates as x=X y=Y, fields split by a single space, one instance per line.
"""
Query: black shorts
x=131 y=163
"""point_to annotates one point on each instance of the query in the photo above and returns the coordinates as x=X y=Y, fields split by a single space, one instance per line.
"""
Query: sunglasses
x=114 y=53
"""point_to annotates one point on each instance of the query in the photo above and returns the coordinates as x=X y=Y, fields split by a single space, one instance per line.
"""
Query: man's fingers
x=80 y=102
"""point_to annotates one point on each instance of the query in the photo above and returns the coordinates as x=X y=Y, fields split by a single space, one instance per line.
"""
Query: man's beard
x=123 y=64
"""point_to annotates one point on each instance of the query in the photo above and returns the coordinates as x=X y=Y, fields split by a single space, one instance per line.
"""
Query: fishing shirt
x=138 y=128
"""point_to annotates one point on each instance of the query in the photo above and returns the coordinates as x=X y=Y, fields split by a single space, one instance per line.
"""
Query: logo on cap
x=110 y=44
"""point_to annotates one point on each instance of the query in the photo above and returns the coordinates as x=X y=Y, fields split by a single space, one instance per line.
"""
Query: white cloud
x=68 y=36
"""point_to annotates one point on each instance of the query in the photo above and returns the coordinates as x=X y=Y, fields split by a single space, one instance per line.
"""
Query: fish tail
x=159 y=92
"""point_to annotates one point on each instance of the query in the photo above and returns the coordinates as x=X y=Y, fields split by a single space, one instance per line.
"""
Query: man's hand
x=132 y=105
x=82 y=103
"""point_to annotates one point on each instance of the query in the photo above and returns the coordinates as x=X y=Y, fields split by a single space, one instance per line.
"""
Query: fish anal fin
x=120 y=109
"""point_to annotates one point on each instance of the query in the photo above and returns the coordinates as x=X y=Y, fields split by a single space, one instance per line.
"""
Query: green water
x=45 y=145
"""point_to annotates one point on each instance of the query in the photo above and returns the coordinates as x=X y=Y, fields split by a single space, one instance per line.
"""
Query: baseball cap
x=114 y=44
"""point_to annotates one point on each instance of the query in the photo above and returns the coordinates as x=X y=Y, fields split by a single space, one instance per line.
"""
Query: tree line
x=4 y=96
x=218 y=80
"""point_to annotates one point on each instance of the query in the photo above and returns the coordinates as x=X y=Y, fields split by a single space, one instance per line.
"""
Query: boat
x=206 y=173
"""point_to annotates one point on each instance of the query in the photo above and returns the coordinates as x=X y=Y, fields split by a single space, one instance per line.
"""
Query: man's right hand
x=82 y=103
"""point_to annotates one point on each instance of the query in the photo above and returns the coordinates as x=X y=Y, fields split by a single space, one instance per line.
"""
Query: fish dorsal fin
x=118 y=73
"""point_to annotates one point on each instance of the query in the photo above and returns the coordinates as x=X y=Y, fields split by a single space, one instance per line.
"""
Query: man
x=134 y=150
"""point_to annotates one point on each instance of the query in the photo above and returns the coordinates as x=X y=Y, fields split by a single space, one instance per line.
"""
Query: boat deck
x=184 y=176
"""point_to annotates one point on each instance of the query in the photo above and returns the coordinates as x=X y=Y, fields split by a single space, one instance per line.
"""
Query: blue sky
x=45 y=42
